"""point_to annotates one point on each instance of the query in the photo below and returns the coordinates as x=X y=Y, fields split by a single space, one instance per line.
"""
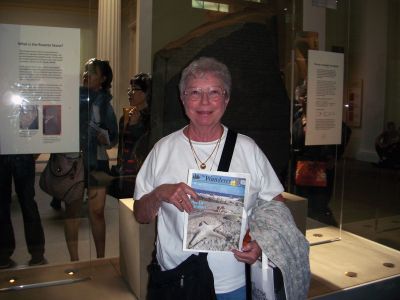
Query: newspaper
x=218 y=220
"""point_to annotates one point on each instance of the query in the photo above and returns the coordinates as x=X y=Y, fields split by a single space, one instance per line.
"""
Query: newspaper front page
x=218 y=220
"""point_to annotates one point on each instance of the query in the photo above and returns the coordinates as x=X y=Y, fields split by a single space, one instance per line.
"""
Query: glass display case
x=45 y=215
x=315 y=84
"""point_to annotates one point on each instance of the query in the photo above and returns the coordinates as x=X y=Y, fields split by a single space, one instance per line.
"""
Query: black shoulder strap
x=226 y=157
x=227 y=152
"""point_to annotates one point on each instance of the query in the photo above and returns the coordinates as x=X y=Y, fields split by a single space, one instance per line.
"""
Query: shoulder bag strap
x=227 y=152
x=224 y=164
x=226 y=157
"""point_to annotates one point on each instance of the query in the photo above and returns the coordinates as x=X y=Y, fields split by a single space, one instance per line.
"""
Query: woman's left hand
x=249 y=254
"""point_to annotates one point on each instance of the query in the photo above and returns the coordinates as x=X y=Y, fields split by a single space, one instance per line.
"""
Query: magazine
x=218 y=220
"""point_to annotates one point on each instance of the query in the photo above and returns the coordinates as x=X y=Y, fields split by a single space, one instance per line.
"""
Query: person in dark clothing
x=134 y=128
x=134 y=124
x=387 y=146
x=318 y=196
x=21 y=169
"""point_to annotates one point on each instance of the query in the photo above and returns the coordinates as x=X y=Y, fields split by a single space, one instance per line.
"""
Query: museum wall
x=392 y=109
x=74 y=14
x=364 y=38
x=367 y=62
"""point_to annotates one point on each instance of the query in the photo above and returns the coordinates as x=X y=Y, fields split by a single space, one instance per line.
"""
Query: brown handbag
x=63 y=177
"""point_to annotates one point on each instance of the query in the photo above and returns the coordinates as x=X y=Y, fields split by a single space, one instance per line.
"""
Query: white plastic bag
x=262 y=280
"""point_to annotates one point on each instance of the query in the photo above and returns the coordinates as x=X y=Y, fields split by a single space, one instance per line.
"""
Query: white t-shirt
x=169 y=162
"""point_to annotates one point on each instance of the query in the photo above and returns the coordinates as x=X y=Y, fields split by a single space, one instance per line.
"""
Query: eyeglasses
x=213 y=93
x=133 y=90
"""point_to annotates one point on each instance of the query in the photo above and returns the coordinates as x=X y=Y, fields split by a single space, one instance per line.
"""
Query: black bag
x=122 y=187
x=192 y=280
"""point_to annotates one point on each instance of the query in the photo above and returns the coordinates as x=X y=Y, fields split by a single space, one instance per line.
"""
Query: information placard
x=324 y=97
x=39 y=88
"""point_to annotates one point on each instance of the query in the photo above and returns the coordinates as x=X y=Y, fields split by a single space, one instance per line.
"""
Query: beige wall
x=128 y=44
x=44 y=13
x=367 y=61
x=361 y=27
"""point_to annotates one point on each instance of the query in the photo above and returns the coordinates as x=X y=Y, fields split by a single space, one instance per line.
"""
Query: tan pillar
x=109 y=39
x=144 y=19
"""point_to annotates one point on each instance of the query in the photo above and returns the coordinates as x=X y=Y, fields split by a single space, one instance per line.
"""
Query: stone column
x=144 y=19
x=109 y=39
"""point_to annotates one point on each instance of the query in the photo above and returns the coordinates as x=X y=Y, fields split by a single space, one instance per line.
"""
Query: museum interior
x=336 y=62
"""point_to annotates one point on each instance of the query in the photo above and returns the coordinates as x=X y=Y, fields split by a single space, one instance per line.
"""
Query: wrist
x=155 y=202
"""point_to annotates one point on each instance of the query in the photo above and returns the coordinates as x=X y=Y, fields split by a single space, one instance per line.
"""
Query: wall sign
x=39 y=88
x=325 y=97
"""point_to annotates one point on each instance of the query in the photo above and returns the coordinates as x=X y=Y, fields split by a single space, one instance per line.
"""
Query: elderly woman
x=161 y=190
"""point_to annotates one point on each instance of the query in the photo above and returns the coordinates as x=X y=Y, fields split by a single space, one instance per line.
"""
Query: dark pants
x=22 y=169
x=319 y=198
x=390 y=154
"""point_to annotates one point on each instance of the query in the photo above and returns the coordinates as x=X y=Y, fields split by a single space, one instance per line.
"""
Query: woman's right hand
x=146 y=209
x=177 y=194
x=134 y=116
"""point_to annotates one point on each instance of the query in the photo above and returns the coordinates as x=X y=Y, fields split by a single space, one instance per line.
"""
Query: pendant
x=203 y=166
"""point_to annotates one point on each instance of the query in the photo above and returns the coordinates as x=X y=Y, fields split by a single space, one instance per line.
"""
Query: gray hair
x=199 y=67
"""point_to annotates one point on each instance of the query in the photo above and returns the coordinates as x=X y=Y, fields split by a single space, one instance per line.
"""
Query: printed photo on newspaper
x=218 y=220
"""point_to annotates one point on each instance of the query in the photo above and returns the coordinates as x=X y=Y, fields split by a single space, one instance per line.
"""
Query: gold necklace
x=196 y=157
x=216 y=152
